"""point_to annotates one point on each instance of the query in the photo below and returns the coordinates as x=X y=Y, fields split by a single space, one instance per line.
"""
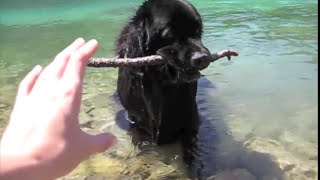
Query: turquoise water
x=265 y=99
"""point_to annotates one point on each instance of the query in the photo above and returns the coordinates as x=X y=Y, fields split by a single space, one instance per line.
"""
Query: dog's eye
x=166 y=34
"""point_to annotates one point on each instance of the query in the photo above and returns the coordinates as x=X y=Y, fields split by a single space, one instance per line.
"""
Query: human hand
x=43 y=139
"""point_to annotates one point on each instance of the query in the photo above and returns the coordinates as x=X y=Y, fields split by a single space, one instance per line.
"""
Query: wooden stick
x=224 y=53
x=126 y=62
x=147 y=60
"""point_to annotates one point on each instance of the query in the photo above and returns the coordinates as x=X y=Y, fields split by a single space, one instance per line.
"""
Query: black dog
x=161 y=100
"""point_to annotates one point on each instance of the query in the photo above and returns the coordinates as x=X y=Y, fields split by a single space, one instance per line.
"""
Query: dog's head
x=173 y=29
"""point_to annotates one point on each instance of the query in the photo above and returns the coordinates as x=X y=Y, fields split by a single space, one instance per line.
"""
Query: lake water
x=260 y=110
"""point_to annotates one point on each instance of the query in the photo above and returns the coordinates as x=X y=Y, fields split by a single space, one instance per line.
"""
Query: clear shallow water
x=259 y=110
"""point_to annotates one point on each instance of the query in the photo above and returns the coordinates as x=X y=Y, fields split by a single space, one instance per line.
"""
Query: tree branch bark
x=224 y=53
x=126 y=62
x=147 y=60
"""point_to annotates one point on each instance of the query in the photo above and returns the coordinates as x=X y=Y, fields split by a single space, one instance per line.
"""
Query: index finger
x=78 y=61
x=61 y=60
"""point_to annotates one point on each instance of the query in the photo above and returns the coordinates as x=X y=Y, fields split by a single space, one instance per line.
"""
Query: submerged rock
x=293 y=166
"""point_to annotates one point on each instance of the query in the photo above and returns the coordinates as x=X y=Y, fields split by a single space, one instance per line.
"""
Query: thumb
x=101 y=142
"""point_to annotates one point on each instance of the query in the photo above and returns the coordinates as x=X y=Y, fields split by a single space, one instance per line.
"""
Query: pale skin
x=43 y=139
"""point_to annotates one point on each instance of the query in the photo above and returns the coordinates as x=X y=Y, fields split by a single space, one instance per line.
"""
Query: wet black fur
x=161 y=100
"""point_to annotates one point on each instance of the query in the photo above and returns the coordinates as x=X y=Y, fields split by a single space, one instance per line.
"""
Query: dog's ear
x=167 y=52
x=147 y=33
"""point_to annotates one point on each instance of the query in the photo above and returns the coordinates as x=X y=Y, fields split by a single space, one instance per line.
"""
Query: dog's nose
x=200 y=60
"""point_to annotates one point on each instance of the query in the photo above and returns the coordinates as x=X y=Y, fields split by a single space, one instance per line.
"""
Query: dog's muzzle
x=200 y=60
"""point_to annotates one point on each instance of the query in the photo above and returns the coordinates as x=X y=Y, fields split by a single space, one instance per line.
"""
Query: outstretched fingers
x=58 y=66
x=72 y=79
x=75 y=69
x=29 y=81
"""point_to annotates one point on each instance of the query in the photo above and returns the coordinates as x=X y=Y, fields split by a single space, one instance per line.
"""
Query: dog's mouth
x=181 y=75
